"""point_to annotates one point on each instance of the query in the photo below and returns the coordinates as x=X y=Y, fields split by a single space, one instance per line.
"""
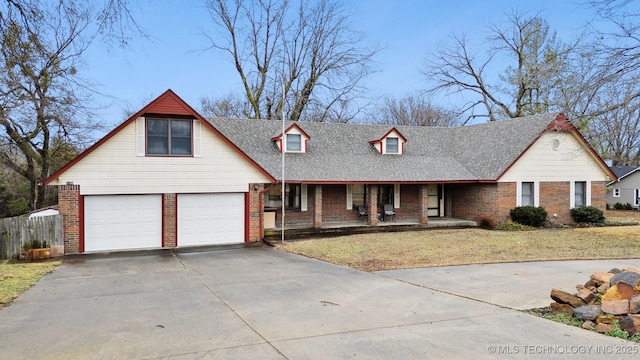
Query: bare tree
x=299 y=53
x=537 y=63
x=230 y=106
x=41 y=97
x=414 y=110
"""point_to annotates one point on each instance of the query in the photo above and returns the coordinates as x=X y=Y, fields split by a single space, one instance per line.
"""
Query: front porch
x=341 y=228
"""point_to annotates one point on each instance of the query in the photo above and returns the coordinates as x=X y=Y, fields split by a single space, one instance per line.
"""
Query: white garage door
x=121 y=222
x=205 y=219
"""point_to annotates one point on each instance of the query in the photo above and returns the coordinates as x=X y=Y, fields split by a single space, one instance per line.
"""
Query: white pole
x=284 y=148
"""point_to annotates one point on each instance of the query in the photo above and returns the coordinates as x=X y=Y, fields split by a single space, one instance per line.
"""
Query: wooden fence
x=17 y=231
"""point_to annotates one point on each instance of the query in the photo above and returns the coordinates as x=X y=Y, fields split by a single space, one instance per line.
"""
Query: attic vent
x=555 y=144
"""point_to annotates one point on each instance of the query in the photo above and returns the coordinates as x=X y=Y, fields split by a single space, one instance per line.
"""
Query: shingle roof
x=622 y=171
x=342 y=153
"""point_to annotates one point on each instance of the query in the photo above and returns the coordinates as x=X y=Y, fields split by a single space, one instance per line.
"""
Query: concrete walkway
x=260 y=303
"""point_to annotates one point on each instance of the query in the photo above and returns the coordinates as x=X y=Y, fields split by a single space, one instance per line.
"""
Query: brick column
x=69 y=206
x=373 y=204
x=169 y=220
x=317 y=214
x=255 y=213
x=423 y=203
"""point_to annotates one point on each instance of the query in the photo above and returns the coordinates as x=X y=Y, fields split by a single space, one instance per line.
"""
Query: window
x=527 y=194
x=580 y=193
x=636 y=198
x=616 y=192
x=359 y=195
x=292 y=194
x=294 y=142
x=169 y=137
x=385 y=194
x=392 y=145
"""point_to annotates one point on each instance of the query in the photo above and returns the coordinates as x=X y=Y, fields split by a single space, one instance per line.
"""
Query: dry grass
x=16 y=277
x=401 y=250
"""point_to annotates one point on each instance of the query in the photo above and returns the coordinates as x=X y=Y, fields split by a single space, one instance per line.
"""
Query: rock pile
x=606 y=298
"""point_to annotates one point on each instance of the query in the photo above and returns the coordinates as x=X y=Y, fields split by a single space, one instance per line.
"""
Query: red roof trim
x=562 y=124
x=404 y=139
x=277 y=137
x=167 y=97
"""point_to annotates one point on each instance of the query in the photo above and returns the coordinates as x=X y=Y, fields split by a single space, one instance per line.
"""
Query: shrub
x=511 y=226
x=486 y=222
x=587 y=214
x=529 y=215
x=628 y=206
x=618 y=206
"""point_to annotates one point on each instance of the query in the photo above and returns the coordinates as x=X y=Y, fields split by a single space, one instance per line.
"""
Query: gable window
x=169 y=137
x=616 y=192
x=580 y=193
x=527 y=194
x=294 y=142
x=392 y=145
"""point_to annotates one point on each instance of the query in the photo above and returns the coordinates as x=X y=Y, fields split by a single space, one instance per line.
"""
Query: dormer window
x=392 y=145
x=293 y=140
x=294 y=143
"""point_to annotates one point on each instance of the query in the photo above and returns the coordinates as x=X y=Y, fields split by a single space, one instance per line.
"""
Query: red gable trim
x=278 y=137
x=561 y=124
x=166 y=104
x=404 y=139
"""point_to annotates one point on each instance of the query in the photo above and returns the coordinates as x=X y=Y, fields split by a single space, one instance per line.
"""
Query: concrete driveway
x=260 y=303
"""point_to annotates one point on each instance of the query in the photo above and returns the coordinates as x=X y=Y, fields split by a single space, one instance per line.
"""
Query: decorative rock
x=630 y=324
x=603 y=328
x=587 y=312
x=603 y=288
x=615 y=271
x=588 y=325
x=601 y=277
x=619 y=291
x=627 y=277
x=634 y=305
x=558 y=308
x=632 y=269
x=588 y=296
x=566 y=298
x=607 y=319
x=615 y=307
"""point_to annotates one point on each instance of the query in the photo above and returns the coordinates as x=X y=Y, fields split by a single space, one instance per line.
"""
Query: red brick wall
x=69 y=204
x=169 y=220
x=554 y=198
x=409 y=202
x=317 y=214
x=599 y=194
x=256 y=222
x=470 y=201
x=334 y=204
x=506 y=200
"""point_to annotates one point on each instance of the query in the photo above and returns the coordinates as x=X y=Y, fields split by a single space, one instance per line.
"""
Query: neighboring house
x=626 y=190
x=168 y=178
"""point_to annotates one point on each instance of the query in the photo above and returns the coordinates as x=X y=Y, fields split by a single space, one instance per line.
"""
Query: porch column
x=317 y=213
x=372 y=202
x=423 y=202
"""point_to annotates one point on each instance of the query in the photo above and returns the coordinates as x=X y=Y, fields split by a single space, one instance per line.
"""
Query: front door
x=434 y=199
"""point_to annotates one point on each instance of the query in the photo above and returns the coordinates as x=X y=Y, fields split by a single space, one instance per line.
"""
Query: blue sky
x=406 y=30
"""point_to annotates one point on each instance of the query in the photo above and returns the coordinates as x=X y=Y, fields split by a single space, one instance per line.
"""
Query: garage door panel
x=207 y=219
x=122 y=222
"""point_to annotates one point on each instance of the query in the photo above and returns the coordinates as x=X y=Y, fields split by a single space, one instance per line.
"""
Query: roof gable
x=168 y=103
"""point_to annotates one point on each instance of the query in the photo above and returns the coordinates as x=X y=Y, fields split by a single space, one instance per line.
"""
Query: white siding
x=114 y=168
x=571 y=161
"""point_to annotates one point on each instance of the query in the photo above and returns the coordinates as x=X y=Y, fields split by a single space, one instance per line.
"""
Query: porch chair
x=362 y=211
x=388 y=211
